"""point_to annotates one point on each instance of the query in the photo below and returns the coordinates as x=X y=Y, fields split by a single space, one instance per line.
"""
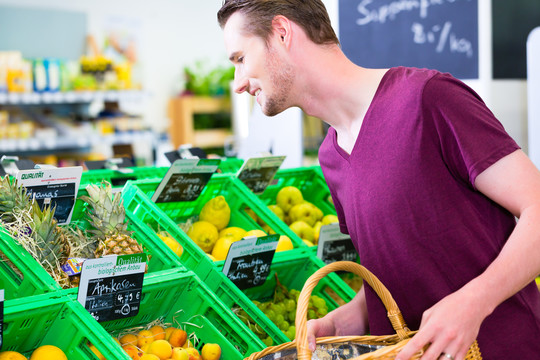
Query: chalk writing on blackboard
x=438 y=34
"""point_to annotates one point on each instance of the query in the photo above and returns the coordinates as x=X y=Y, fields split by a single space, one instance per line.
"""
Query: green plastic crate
x=118 y=178
x=29 y=277
x=230 y=165
x=292 y=272
x=59 y=321
x=183 y=300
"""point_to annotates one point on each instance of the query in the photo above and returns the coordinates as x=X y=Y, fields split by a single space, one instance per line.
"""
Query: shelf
x=71 y=142
x=71 y=97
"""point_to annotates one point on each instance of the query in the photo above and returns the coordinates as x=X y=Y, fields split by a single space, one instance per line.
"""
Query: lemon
x=284 y=243
x=234 y=232
x=48 y=352
x=172 y=244
x=221 y=248
x=216 y=211
x=204 y=234
x=11 y=355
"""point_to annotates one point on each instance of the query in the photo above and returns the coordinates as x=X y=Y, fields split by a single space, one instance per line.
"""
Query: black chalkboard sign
x=111 y=287
x=257 y=173
x=435 y=34
x=185 y=180
x=248 y=261
x=335 y=246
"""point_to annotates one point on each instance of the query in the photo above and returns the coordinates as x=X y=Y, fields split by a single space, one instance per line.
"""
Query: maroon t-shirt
x=406 y=196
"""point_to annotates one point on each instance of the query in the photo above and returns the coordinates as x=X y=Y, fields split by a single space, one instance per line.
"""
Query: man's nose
x=240 y=83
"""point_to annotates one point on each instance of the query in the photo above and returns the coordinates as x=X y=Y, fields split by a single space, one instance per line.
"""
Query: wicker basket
x=347 y=347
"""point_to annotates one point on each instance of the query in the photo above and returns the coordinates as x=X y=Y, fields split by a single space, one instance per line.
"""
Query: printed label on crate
x=248 y=261
x=185 y=180
x=257 y=173
x=1 y=318
x=73 y=266
x=111 y=287
x=335 y=246
x=57 y=187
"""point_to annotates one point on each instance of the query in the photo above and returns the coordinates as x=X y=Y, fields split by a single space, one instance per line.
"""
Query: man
x=424 y=179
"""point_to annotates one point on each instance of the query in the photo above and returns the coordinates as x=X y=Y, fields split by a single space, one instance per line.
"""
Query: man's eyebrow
x=234 y=55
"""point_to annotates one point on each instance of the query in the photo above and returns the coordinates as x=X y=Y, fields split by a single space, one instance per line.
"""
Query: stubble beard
x=281 y=77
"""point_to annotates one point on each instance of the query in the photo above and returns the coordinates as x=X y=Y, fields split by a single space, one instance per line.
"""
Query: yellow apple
x=303 y=230
x=287 y=197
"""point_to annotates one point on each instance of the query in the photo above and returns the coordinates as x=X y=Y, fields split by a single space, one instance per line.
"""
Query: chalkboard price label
x=257 y=173
x=111 y=286
x=335 y=246
x=248 y=261
x=57 y=187
x=185 y=180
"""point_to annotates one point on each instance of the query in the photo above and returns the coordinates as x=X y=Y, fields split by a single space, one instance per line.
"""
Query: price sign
x=1 y=317
x=257 y=173
x=248 y=261
x=57 y=186
x=335 y=246
x=111 y=287
x=185 y=180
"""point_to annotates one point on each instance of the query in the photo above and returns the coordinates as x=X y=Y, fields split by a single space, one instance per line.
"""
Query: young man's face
x=259 y=69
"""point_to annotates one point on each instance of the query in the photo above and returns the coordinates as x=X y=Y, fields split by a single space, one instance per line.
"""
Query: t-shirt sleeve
x=471 y=138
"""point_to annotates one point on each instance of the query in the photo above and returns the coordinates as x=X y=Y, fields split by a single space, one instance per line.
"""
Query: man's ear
x=282 y=29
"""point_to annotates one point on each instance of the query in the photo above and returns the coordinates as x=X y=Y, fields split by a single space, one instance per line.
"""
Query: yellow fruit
x=178 y=338
x=11 y=355
x=216 y=211
x=329 y=219
x=144 y=337
x=128 y=339
x=303 y=230
x=158 y=331
x=221 y=248
x=149 y=357
x=132 y=351
x=161 y=348
x=277 y=211
x=284 y=243
x=48 y=352
x=252 y=214
x=117 y=341
x=172 y=244
x=204 y=234
x=169 y=331
x=94 y=350
x=193 y=354
x=287 y=197
x=211 y=351
x=317 y=231
x=234 y=232
x=179 y=354
x=308 y=243
x=267 y=229
x=211 y=257
x=255 y=232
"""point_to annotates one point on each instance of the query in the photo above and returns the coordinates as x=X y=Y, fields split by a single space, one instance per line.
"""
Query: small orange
x=128 y=339
x=158 y=331
x=144 y=337
x=178 y=337
x=161 y=348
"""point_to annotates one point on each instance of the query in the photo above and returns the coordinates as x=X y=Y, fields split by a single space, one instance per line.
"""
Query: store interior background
x=172 y=34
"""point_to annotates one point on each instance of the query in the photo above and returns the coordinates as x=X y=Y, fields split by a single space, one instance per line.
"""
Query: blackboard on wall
x=512 y=23
x=435 y=34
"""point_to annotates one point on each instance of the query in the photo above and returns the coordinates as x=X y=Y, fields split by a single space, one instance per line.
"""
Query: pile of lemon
x=213 y=234
x=44 y=352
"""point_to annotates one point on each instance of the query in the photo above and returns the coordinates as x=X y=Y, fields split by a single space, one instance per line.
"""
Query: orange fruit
x=96 y=352
x=179 y=354
x=144 y=337
x=149 y=357
x=178 y=337
x=132 y=351
x=161 y=348
x=193 y=354
x=128 y=339
x=211 y=351
x=158 y=331
x=168 y=332
x=12 y=355
x=48 y=352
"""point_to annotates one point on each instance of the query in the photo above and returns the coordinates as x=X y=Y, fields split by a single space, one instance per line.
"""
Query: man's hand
x=449 y=328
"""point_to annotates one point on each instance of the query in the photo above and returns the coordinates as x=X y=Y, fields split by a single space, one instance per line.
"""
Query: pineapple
x=50 y=242
x=13 y=199
x=108 y=217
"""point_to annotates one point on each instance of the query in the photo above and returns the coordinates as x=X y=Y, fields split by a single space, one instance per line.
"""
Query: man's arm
x=452 y=324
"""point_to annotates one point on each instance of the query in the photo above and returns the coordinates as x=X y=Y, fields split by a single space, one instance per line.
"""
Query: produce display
x=53 y=245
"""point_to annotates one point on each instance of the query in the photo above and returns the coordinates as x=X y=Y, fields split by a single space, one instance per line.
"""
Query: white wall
x=179 y=32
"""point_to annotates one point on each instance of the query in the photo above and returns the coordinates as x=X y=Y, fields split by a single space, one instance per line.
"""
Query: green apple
x=277 y=211
x=287 y=197
x=329 y=219
x=303 y=230
x=306 y=212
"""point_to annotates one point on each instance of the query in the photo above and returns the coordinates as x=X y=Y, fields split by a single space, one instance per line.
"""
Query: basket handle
x=393 y=312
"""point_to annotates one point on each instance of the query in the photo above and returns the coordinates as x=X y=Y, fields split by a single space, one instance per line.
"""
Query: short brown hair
x=311 y=15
